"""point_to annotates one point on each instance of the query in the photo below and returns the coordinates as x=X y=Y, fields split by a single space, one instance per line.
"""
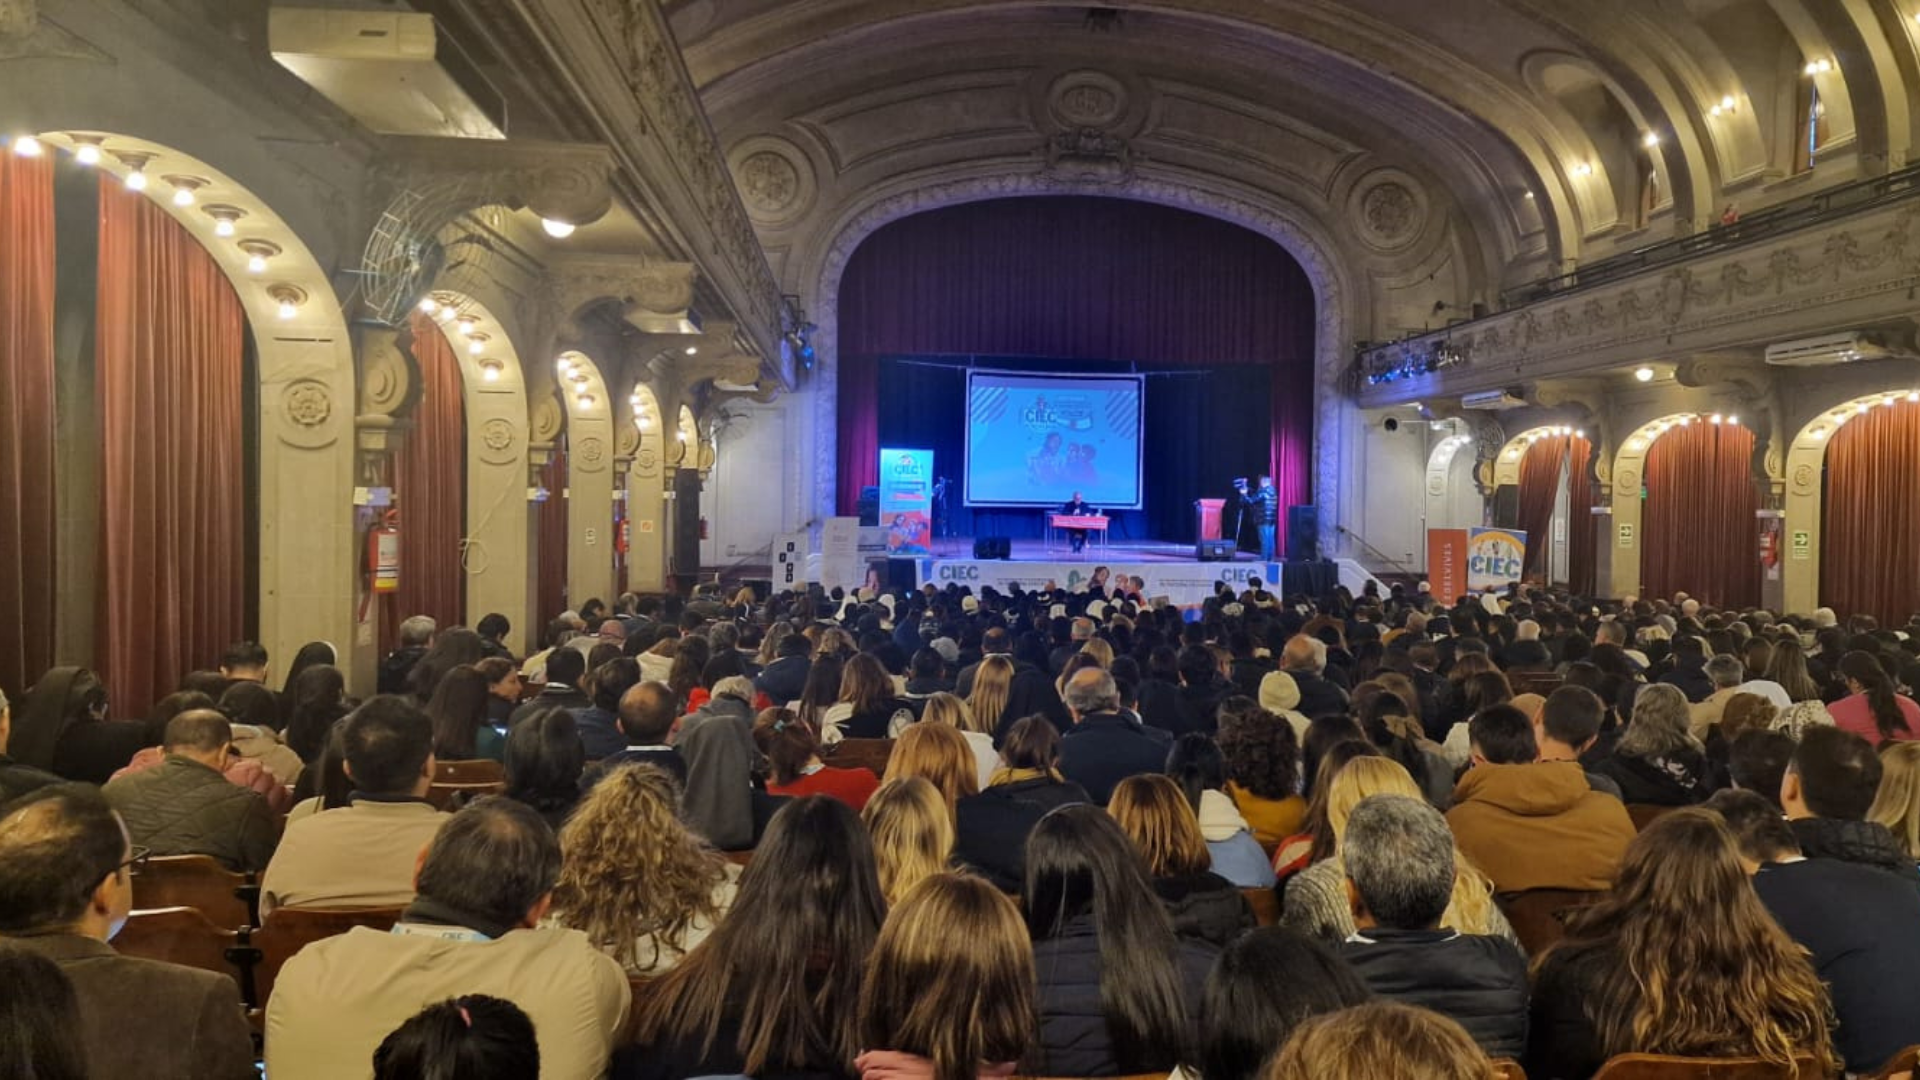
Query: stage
x=1170 y=570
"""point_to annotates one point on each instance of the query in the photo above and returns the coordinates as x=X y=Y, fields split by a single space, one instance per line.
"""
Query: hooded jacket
x=1237 y=856
x=1539 y=826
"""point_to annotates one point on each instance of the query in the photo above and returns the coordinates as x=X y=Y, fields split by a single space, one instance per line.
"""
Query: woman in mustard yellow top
x=1263 y=773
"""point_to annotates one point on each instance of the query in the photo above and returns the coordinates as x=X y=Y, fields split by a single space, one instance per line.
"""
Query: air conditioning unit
x=1492 y=399
x=1827 y=349
x=391 y=70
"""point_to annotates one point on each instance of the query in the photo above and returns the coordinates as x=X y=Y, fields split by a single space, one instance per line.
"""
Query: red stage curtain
x=1077 y=278
x=1539 y=490
x=550 y=585
x=1697 y=529
x=430 y=482
x=1582 y=554
x=170 y=334
x=27 y=513
x=1870 y=531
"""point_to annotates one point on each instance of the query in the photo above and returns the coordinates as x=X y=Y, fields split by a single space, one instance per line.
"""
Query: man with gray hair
x=16 y=778
x=416 y=633
x=484 y=886
x=1106 y=745
x=1726 y=672
x=1305 y=658
x=1400 y=864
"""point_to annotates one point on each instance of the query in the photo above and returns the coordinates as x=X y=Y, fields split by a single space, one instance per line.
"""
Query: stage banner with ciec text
x=1473 y=560
x=906 y=500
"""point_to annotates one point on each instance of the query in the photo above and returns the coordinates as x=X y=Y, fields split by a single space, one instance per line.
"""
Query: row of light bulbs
x=1847 y=412
x=1684 y=420
x=89 y=150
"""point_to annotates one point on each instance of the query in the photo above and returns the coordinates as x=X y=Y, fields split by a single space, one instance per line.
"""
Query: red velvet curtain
x=1870 y=530
x=1697 y=529
x=1540 y=488
x=1077 y=278
x=430 y=483
x=550 y=583
x=1582 y=544
x=169 y=341
x=27 y=511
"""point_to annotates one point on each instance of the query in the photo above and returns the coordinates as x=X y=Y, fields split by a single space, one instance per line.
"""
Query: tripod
x=1239 y=512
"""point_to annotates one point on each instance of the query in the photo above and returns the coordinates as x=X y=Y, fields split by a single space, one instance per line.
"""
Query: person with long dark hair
x=1264 y=985
x=458 y=710
x=1872 y=709
x=451 y=648
x=948 y=992
x=991 y=828
x=1679 y=958
x=40 y=1026
x=503 y=689
x=774 y=991
x=544 y=761
x=315 y=700
x=312 y=654
x=1118 y=991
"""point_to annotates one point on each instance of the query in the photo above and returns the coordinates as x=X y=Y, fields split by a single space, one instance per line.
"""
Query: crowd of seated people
x=1084 y=809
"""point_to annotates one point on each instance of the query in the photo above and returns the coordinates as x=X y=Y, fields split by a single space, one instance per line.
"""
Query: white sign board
x=789 y=561
x=840 y=553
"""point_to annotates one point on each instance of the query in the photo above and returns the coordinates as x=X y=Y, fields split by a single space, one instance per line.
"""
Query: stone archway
x=1335 y=425
x=590 y=459
x=304 y=355
x=1629 y=477
x=1806 y=492
x=647 y=494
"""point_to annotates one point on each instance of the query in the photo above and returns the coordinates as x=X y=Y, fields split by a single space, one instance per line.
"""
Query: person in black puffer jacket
x=1153 y=811
x=1828 y=789
x=990 y=833
x=1118 y=993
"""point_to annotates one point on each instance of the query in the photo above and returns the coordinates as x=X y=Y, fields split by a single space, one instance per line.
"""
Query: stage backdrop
x=1093 y=285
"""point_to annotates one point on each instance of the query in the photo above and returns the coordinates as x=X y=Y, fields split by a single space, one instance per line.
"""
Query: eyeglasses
x=136 y=860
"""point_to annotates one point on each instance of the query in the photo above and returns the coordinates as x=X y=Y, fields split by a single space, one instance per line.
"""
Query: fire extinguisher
x=383 y=554
x=703 y=529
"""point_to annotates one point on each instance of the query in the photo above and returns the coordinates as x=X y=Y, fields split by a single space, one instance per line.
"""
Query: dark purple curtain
x=1077 y=278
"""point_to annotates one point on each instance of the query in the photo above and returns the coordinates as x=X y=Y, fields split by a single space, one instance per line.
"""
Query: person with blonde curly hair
x=1316 y=898
x=1681 y=957
x=912 y=834
x=633 y=878
x=1379 y=1039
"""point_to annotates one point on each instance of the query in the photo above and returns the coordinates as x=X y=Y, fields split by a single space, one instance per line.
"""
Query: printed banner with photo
x=906 y=500
x=1473 y=560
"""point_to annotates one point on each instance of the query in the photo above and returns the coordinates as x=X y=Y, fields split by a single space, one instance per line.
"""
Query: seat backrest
x=449 y=796
x=471 y=771
x=1665 y=1067
x=1539 y=916
x=289 y=929
x=1543 y=683
x=180 y=935
x=195 y=881
x=869 y=754
x=1265 y=904
x=1645 y=814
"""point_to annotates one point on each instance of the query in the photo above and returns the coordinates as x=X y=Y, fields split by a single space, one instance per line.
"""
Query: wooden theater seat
x=226 y=898
x=1664 y=1067
x=471 y=771
x=1645 y=814
x=182 y=935
x=289 y=929
x=1539 y=916
x=1265 y=904
x=870 y=754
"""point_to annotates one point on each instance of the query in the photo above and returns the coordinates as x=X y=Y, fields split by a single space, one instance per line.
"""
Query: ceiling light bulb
x=1914 y=396
x=27 y=146
x=1579 y=433
x=1733 y=419
x=683 y=436
x=1527 y=195
x=1644 y=374
x=559 y=230
x=635 y=402
x=87 y=153
x=256 y=264
x=1685 y=420
x=467 y=324
x=642 y=421
x=1727 y=103
x=1650 y=140
x=475 y=348
x=490 y=373
x=1634 y=444
x=565 y=365
x=182 y=195
x=1717 y=418
x=1818 y=433
x=1863 y=408
x=288 y=310
x=428 y=305
x=223 y=227
x=1810 y=69
x=692 y=351
x=137 y=180
x=1582 y=169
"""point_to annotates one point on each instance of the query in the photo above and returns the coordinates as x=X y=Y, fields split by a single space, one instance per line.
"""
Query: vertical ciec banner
x=1460 y=561
x=906 y=500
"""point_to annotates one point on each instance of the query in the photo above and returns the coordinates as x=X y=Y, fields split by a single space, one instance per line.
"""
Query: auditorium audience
x=561 y=689
x=646 y=720
x=1680 y=957
x=364 y=854
x=1106 y=746
x=1399 y=860
x=1567 y=725
x=1316 y=901
x=1725 y=673
x=1658 y=762
x=1305 y=659
x=503 y=689
x=1862 y=927
x=1118 y=992
x=1263 y=772
x=719 y=801
x=1264 y=985
x=868 y=705
x=1155 y=815
x=17 y=778
x=471 y=1037
x=785 y=677
x=188 y=806
x=599 y=722
x=458 y=710
x=66 y=891
x=311 y=655
x=642 y=887
x=912 y=830
x=415 y=633
x=40 y=1019
x=1829 y=786
x=774 y=991
x=1871 y=708
x=945 y=708
x=1198 y=767
x=991 y=828
x=1379 y=1039
x=485 y=883
x=941 y=756
x=1896 y=802
x=1532 y=824
x=316 y=699
x=793 y=749
x=1757 y=762
x=544 y=763
x=62 y=727
x=1688 y=673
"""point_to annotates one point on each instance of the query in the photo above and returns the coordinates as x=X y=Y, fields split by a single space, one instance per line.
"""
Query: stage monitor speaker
x=901 y=574
x=1214 y=550
x=868 y=508
x=1303 y=533
x=992 y=547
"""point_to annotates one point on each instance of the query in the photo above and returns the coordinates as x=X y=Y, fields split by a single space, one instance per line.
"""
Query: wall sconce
x=224 y=218
x=184 y=188
x=289 y=297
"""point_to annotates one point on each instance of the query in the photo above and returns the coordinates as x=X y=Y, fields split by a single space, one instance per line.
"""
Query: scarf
x=1003 y=776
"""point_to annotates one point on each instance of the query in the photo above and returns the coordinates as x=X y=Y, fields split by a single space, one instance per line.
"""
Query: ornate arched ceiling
x=1452 y=149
